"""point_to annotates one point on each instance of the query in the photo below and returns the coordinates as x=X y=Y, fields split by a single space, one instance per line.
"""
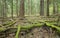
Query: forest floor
x=35 y=32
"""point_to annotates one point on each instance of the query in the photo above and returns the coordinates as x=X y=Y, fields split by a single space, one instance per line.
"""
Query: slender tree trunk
x=55 y=7
x=21 y=14
x=47 y=8
x=42 y=7
x=0 y=8
x=17 y=7
x=4 y=8
x=12 y=9
x=29 y=7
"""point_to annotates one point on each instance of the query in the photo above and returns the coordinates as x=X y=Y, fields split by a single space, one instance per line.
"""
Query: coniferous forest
x=29 y=18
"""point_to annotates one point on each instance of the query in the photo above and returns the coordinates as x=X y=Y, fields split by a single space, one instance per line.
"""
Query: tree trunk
x=4 y=8
x=4 y=11
x=0 y=8
x=21 y=14
x=42 y=7
x=55 y=7
x=47 y=8
x=29 y=7
x=12 y=9
x=17 y=7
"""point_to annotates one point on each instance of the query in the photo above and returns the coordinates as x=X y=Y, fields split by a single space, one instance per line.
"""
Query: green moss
x=26 y=27
x=18 y=30
x=53 y=26
x=2 y=29
x=29 y=26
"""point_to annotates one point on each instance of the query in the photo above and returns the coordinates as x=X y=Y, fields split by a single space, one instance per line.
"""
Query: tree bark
x=42 y=7
x=4 y=11
x=17 y=7
x=4 y=8
x=55 y=7
x=47 y=8
x=29 y=7
x=21 y=14
x=12 y=9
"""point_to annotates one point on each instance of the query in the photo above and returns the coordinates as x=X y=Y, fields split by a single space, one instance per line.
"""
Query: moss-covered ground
x=30 y=25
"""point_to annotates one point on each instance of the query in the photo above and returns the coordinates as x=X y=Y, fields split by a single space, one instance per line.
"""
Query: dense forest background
x=31 y=7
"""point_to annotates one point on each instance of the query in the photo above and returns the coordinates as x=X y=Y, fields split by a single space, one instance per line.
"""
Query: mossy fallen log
x=31 y=26
x=2 y=29
x=18 y=30
x=10 y=23
x=53 y=26
x=37 y=25
x=26 y=27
